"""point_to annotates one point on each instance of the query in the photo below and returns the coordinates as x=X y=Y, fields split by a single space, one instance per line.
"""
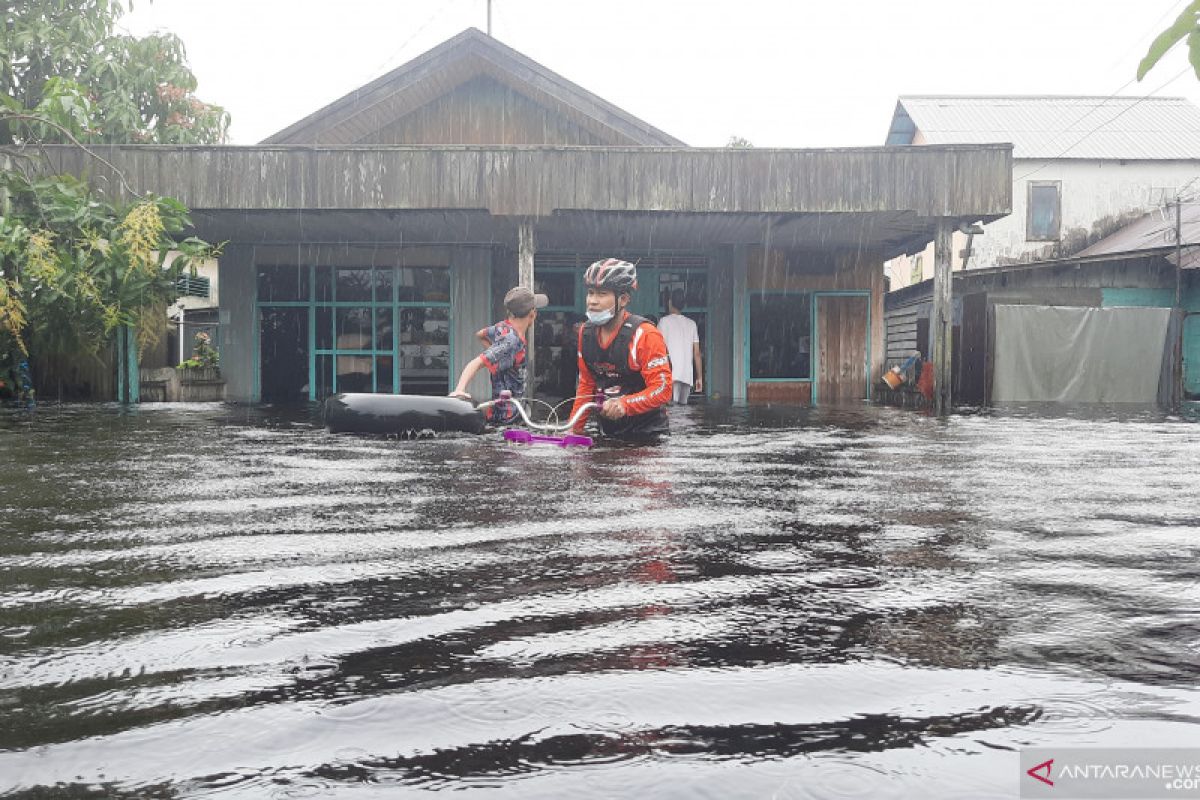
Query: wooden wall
x=793 y=393
x=961 y=181
x=842 y=322
x=483 y=112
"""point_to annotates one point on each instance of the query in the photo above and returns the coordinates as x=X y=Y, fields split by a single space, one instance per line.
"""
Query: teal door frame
x=1191 y=355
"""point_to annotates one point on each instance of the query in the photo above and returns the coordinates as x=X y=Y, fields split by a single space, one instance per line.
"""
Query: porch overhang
x=883 y=199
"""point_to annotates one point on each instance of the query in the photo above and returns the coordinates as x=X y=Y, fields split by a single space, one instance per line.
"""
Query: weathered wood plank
x=953 y=180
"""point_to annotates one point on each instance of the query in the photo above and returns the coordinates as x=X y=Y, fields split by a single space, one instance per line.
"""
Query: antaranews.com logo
x=1110 y=772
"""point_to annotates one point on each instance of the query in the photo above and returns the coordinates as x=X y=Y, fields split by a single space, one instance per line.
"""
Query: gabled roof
x=1131 y=128
x=469 y=55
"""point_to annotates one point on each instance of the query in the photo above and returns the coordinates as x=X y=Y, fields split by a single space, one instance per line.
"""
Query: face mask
x=599 y=317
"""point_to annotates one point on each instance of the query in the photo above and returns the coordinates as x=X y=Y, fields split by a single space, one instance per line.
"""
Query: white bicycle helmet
x=611 y=273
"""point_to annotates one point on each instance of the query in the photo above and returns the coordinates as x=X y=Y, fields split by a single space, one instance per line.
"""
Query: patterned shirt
x=505 y=360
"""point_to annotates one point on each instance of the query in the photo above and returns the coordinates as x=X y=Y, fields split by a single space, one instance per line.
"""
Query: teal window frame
x=312 y=304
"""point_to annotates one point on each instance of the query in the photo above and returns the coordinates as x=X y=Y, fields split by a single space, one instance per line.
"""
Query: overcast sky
x=781 y=73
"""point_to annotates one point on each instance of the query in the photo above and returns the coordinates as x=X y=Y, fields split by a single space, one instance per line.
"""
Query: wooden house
x=368 y=241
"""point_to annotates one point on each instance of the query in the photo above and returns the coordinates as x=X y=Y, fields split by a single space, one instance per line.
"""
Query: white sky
x=781 y=73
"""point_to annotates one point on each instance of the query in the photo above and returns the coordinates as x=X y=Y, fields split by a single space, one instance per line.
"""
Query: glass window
x=556 y=343
x=780 y=336
x=425 y=326
x=559 y=287
x=354 y=374
x=353 y=285
x=383 y=329
x=383 y=285
x=383 y=374
x=324 y=328
x=282 y=283
x=354 y=330
x=424 y=284
x=324 y=376
x=693 y=283
x=424 y=350
x=1045 y=211
x=324 y=289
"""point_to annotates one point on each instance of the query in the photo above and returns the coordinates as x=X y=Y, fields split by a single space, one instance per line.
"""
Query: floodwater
x=206 y=601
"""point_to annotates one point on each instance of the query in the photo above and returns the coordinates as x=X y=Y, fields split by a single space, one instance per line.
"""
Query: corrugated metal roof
x=1155 y=231
x=1132 y=128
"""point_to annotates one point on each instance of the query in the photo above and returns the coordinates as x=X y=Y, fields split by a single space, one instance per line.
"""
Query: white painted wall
x=1091 y=191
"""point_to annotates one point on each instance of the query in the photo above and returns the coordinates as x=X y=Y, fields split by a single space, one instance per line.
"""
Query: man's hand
x=612 y=409
x=699 y=387
x=460 y=395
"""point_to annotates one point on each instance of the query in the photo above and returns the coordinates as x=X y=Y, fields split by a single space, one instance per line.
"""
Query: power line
x=442 y=6
x=1109 y=121
x=1172 y=7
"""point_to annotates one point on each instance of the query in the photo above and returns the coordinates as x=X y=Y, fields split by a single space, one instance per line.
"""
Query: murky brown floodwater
x=206 y=601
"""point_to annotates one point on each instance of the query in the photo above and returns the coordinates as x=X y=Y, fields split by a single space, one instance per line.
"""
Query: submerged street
x=203 y=600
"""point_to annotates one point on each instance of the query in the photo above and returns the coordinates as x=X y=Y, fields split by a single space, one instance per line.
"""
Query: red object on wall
x=925 y=382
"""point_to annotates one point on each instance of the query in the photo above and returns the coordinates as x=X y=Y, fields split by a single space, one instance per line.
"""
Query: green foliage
x=739 y=143
x=62 y=60
x=203 y=353
x=73 y=268
x=1187 y=25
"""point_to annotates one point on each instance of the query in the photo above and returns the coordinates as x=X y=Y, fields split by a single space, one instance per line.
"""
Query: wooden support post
x=941 y=322
x=1177 y=311
x=526 y=247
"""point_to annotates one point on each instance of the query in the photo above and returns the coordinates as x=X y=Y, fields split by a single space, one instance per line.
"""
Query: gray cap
x=520 y=301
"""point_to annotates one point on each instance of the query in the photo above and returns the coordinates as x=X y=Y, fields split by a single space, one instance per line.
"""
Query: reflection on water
x=202 y=600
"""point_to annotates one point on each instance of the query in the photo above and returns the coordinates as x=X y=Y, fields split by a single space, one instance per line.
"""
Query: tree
x=738 y=143
x=74 y=269
x=1187 y=25
x=61 y=59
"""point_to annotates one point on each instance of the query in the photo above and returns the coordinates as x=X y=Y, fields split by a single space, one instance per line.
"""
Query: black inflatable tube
x=400 y=414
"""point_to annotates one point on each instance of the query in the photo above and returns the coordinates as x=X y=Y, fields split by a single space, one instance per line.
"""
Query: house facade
x=1118 y=322
x=366 y=243
x=1082 y=167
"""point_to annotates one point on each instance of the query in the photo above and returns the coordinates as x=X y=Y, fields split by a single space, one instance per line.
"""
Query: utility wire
x=442 y=6
x=1109 y=121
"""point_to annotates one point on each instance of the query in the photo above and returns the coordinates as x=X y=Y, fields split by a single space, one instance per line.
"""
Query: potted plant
x=203 y=365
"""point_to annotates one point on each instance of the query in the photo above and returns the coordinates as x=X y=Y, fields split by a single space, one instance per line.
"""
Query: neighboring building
x=1082 y=167
x=1094 y=327
x=367 y=242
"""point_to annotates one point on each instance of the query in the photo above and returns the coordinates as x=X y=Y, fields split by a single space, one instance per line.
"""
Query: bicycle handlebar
x=506 y=397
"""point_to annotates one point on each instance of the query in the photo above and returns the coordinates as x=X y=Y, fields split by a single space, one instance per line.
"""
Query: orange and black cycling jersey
x=646 y=355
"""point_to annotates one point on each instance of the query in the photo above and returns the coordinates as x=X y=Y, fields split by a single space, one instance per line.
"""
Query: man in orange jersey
x=622 y=356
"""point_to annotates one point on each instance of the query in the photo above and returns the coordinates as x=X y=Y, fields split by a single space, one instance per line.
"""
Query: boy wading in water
x=506 y=353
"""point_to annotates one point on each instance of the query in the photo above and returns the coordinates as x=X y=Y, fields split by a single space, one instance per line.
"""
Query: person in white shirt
x=683 y=344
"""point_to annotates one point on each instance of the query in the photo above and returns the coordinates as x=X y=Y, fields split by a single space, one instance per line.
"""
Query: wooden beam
x=526 y=248
x=941 y=323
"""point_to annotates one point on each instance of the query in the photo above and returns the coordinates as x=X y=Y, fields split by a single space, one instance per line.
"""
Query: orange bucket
x=893 y=378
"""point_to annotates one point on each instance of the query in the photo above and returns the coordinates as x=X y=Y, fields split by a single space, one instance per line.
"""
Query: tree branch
x=10 y=115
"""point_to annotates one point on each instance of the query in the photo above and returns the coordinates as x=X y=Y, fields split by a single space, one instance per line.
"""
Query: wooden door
x=842 y=348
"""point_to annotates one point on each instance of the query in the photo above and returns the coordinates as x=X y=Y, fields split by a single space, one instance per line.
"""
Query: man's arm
x=585 y=392
x=482 y=335
x=698 y=366
x=651 y=354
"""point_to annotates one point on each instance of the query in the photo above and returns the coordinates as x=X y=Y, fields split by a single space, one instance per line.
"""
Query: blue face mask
x=599 y=317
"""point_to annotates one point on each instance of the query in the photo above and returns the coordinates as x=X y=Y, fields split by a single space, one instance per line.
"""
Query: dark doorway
x=283 y=354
